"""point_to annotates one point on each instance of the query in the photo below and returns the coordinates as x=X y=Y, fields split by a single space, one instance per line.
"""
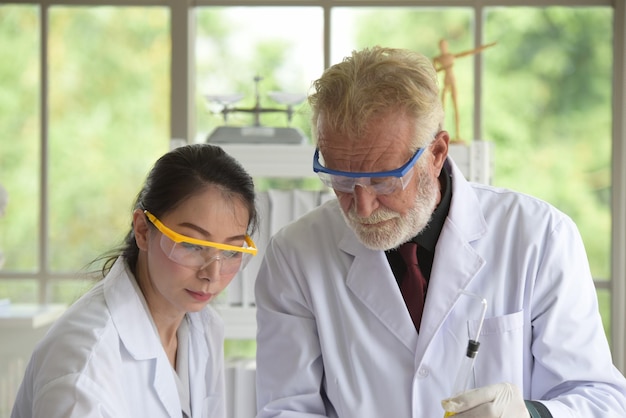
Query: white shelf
x=274 y=160
x=475 y=160
x=296 y=161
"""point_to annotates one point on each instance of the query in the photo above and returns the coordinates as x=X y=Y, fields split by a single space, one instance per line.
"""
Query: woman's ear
x=141 y=229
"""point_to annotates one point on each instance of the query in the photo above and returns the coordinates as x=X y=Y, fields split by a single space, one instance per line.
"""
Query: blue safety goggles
x=381 y=182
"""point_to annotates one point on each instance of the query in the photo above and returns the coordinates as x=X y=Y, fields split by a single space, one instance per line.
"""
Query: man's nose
x=365 y=200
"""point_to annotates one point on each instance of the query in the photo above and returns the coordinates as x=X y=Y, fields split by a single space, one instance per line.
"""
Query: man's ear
x=141 y=229
x=439 y=149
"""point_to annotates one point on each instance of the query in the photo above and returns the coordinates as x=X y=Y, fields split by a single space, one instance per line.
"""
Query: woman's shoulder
x=75 y=337
x=88 y=312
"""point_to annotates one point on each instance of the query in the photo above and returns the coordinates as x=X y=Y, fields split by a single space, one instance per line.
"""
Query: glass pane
x=547 y=108
x=109 y=121
x=280 y=45
x=19 y=137
x=239 y=348
x=412 y=28
x=69 y=290
x=19 y=291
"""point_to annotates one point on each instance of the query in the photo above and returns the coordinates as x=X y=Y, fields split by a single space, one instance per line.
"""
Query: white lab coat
x=103 y=358
x=335 y=338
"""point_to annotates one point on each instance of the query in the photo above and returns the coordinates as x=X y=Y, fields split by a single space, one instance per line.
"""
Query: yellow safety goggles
x=197 y=253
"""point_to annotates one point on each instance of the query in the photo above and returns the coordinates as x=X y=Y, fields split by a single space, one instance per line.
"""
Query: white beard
x=398 y=229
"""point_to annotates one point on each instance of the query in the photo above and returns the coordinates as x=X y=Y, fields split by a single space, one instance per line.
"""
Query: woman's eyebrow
x=207 y=234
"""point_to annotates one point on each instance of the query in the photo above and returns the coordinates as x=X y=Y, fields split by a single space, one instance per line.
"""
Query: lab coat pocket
x=500 y=356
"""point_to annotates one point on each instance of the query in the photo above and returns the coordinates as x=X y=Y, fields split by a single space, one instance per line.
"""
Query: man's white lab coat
x=335 y=338
x=104 y=358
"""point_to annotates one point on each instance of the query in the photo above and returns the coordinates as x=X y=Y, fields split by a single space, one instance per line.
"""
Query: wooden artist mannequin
x=445 y=62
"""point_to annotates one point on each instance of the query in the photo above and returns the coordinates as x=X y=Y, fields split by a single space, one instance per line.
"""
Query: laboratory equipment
x=467 y=363
x=256 y=133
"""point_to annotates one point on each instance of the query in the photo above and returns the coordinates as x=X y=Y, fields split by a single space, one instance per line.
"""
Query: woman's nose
x=211 y=270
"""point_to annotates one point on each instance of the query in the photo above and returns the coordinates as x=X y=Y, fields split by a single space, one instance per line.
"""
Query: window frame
x=183 y=124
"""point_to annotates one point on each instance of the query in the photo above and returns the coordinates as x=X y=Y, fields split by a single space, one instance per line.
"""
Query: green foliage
x=19 y=291
x=108 y=122
x=19 y=133
x=239 y=348
x=548 y=108
x=109 y=111
x=413 y=28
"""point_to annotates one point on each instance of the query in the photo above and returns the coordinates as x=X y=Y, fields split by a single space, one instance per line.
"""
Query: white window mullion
x=182 y=76
x=42 y=268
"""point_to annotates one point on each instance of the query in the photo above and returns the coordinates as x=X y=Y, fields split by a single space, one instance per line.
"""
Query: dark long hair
x=179 y=175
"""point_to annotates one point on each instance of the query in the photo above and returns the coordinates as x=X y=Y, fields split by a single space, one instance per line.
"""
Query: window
x=279 y=47
x=105 y=116
x=97 y=90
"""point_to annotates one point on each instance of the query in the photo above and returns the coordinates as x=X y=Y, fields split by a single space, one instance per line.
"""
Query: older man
x=346 y=328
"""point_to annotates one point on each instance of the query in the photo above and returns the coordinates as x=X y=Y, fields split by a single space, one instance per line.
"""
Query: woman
x=143 y=342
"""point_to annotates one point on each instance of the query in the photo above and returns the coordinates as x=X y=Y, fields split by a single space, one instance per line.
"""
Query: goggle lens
x=379 y=185
x=200 y=256
x=196 y=253
x=382 y=182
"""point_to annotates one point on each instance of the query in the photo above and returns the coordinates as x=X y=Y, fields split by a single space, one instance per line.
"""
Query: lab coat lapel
x=371 y=280
x=139 y=335
x=199 y=356
x=456 y=262
x=165 y=386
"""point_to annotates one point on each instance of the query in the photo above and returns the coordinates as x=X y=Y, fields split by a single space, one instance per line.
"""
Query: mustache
x=382 y=214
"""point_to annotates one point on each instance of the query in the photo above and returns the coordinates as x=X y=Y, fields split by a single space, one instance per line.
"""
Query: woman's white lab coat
x=104 y=358
x=335 y=338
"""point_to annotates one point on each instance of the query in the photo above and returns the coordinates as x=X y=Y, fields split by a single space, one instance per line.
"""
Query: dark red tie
x=413 y=286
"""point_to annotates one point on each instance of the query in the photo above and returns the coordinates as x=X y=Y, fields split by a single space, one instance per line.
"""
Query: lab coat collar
x=371 y=280
x=466 y=214
x=456 y=262
x=139 y=335
x=125 y=299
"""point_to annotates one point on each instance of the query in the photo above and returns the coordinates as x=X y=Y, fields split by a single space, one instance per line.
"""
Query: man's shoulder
x=507 y=205
x=503 y=195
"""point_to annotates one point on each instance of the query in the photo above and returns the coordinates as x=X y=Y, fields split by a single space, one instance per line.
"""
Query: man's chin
x=385 y=239
x=377 y=241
